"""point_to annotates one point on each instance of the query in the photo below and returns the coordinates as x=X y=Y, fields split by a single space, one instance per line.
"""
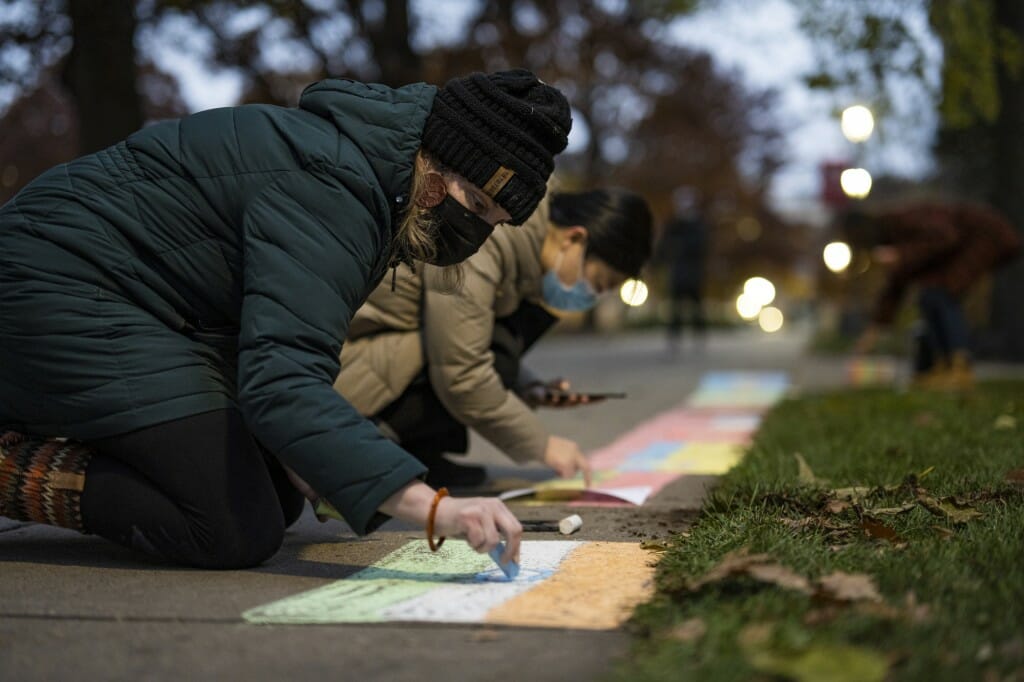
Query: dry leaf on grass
x=654 y=546
x=1015 y=478
x=837 y=506
x=689 y=630
x=1005 y=422
x=760 y=567
x=949 y=508
x=891 y=511
x=879 y=531
x=946 y=533
x=848 y=587
x=854 y=494
x=804 y=473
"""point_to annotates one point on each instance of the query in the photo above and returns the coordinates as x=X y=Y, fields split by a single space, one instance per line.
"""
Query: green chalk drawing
x=455 y=585
x=403 y=574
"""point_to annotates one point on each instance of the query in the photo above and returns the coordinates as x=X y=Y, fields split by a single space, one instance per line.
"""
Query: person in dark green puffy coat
x=172 y=310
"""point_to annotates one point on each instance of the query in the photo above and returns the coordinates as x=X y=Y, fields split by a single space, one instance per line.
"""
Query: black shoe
x=444 y=472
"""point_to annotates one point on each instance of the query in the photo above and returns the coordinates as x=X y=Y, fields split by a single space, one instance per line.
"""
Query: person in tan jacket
x=426 y=359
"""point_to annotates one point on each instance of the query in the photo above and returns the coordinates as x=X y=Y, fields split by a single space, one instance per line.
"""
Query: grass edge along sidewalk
x=867 y=535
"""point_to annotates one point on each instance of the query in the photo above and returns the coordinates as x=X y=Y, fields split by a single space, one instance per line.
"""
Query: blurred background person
x=942 y=249
x=683 y=248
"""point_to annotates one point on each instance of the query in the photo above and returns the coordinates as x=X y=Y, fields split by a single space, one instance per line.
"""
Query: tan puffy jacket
x=386 y=347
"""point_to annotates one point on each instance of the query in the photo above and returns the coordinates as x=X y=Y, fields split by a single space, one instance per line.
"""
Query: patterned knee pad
x=41 y=480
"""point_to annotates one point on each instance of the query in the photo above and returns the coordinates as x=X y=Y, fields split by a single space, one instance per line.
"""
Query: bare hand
x=481 y=522
x=566 y=458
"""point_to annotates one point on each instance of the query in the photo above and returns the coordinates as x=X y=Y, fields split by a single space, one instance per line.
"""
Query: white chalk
x=570 y=524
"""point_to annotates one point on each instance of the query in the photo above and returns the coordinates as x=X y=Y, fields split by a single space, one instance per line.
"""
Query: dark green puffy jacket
x=214 y=262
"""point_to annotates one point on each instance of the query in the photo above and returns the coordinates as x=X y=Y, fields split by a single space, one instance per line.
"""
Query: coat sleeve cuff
x=361 y=513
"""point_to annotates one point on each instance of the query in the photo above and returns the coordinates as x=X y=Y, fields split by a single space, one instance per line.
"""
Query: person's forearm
x=410 y=504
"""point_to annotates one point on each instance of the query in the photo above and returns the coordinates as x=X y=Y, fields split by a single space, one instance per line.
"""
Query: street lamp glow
x=856 y=182
x=747 y=306
x=770 y=319
x=837 y=256
x=633 y=292
x=857 y=123
x=760 y=290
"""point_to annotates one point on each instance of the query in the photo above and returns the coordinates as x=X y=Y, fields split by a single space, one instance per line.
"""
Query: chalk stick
x=570 y=524
x=510 y=569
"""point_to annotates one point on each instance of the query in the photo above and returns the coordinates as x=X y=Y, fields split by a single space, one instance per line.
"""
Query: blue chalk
x=511 y=569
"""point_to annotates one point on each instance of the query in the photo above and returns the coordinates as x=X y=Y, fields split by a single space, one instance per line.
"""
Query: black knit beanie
x=501 y=131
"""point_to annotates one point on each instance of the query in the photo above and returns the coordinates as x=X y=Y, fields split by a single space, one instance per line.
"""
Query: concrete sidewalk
x=74 y=605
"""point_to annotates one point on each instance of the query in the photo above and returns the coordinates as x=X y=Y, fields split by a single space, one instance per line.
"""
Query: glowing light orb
x=856 y=183
x=770 y=319
x=747 y=306
x=857 y=123
x=759 y=289
x=837 y=256
x=633 y=292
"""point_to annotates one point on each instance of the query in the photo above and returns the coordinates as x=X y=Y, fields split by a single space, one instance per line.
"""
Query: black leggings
x=198 y=491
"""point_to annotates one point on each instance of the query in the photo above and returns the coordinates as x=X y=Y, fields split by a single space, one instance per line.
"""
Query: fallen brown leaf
x=848 y=587
x=689 y=630
x=879 y=531
x=944 y=532
x=837 y=506
x=891 y=511
x=780 y=576
x=949 y=508
x=914 y=611
x=1005 y=422
x=851 y=494
x=761 y=567
x=804 y=473
x=1015 y=478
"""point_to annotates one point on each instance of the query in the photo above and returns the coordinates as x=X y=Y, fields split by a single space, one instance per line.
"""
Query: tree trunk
x=100 y=72
x=1008 y=169
x=392 y=46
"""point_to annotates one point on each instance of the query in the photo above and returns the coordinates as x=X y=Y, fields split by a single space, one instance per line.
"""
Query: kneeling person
x=426 y=358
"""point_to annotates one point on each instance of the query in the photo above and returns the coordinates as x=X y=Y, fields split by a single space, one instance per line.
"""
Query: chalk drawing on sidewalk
x=707 y=435
x=560 y=584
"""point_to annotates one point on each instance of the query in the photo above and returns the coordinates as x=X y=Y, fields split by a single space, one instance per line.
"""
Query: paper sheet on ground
x=592 y=585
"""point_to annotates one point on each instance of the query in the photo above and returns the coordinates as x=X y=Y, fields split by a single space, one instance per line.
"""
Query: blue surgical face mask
x=574 y=298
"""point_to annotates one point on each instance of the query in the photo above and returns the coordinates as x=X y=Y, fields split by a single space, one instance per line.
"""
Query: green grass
x=970 y=577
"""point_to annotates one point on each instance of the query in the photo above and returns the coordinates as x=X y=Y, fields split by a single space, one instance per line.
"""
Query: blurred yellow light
x=856 y=182
x=760 y=290
x=770 y=319
x=747 y=306
x=837 y=256
x=633 y=292
x=857 y=123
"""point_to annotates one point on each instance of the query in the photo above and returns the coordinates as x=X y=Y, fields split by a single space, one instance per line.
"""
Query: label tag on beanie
x=498 y=181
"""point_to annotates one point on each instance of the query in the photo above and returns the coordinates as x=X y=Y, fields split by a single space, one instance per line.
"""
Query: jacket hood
x=385 y=123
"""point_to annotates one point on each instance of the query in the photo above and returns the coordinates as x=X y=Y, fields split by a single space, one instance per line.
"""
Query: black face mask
x=460 y=232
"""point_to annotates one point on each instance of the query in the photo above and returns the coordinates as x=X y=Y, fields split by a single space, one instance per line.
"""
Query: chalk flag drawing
x=707 y=435
x=591 y=585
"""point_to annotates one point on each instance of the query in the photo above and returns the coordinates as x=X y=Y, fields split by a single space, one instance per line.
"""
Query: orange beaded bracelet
x=441 y=493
